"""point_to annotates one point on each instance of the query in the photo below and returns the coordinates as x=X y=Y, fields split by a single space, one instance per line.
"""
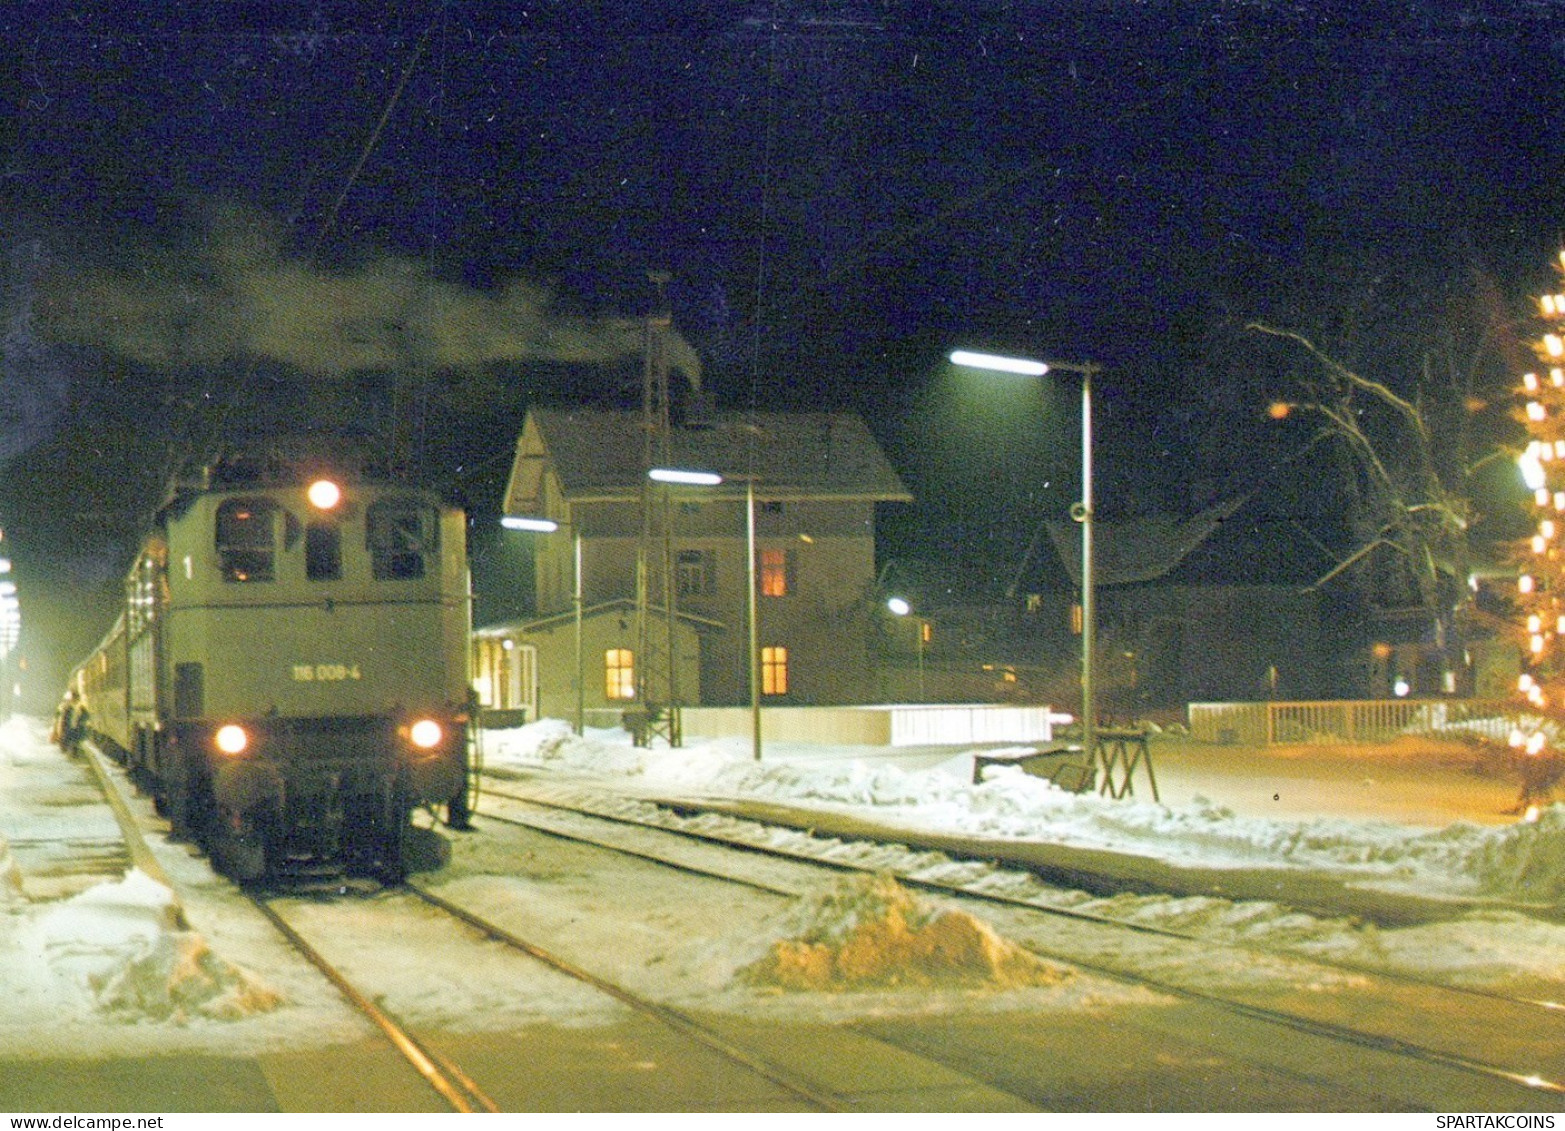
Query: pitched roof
x=619 y=606
x=1212 y=547
x=597 y=455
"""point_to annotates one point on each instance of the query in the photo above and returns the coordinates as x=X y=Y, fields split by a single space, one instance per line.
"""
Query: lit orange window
x=774 y=573
x=619 y=670
x=774 y=671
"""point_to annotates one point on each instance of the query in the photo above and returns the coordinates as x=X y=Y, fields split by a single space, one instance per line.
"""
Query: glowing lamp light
x=1401 y=688
x=1530 y=382
x=1525 y=583
x=681 y=476
x=231 y=739
x=1531 y=467
x=1536 y=412
x=898 y=606
x=999 y=364
x=1554 y=345
x=425 y=734
x=522 y=522
x=323 y=494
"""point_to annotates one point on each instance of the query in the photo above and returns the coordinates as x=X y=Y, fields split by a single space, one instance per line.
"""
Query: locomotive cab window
x=402 y=534
x=246 y=537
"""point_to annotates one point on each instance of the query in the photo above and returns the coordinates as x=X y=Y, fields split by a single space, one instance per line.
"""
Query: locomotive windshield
x=401 y=534
x=247 y=539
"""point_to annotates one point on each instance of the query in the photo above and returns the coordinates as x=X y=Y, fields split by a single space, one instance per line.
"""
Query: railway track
x=1268 y=1024
x=455 y=1086
x=440 y=1070
x=1085 y=946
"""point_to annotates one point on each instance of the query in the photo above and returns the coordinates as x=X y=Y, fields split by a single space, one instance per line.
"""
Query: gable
x=601 y=456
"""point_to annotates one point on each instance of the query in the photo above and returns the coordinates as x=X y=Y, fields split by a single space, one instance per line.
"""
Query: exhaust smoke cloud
x=237 y=297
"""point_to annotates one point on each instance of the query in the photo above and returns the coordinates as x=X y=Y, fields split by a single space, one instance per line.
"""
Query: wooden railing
x=1349 y=720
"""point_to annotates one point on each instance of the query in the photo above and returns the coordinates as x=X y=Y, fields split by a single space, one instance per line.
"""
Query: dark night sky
x=216 y=214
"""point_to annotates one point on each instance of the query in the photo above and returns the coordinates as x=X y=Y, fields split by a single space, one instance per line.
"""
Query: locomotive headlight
x=324 y=494
x=425 y=734
x=231 y=739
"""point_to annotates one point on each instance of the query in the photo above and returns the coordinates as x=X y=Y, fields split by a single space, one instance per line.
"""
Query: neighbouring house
x=800 y=488
x=1220 y=605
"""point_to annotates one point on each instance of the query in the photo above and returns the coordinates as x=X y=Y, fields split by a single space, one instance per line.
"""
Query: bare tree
x=1411 y=514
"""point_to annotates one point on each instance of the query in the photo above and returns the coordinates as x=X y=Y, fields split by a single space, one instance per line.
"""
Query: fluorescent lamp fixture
x=1001 y=364
x=898 y=606
x=685 y=477
x=517 y=522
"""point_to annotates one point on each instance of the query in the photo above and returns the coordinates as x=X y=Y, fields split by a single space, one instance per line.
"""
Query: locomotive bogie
x=289 y=675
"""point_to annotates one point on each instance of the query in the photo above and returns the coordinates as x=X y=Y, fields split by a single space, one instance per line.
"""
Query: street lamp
x=1082 y=512
x=693 y=478
x=549 y=526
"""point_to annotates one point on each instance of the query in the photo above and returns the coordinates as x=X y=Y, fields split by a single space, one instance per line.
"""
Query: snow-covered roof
x=597 y=455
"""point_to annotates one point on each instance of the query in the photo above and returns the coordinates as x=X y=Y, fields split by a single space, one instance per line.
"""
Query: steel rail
x=444 y=1077
x=453 y=1085
x=673 y=1018
x=1330 y=1030
x=953 y=888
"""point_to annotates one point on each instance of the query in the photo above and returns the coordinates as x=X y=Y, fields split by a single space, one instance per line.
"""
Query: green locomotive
x=289 y=674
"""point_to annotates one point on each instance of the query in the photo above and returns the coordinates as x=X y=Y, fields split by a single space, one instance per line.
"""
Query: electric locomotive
x=289 y=674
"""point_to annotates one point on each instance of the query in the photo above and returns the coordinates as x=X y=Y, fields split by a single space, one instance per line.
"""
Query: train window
x=322 y=551
x=247 y=540
x=401 y=534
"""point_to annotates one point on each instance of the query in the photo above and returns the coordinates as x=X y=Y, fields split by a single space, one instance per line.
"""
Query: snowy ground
x=1519 y=860
x=104 y=962
x=95 y=964
x=1487 y=856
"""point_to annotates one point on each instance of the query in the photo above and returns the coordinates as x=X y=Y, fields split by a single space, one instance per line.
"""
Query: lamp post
x=1082 y=512
x=549 y=526
x=690 y=478
x=899 y=606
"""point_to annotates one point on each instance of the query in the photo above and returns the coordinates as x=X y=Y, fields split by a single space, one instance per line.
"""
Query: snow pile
x=871 y=931
x=125 y=948
x=1523 y=861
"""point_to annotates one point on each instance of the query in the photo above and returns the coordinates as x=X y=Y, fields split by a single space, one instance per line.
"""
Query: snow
x=1521 y=861
x=124 y=950
x=102 y=957
x=1508 y=867
x=93 y=965
x=869 y=930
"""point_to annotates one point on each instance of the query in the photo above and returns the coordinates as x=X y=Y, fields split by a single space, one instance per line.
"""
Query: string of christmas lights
x=1540 y=586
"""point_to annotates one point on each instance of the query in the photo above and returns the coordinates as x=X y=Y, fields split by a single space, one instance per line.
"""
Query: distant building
x=1221 y=605
x=677 y=555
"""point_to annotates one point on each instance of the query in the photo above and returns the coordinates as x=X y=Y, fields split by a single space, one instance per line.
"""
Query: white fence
x=1349 y=720
x=896 y=725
